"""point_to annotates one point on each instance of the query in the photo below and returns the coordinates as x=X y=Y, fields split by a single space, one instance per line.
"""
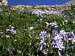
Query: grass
x=26 y=41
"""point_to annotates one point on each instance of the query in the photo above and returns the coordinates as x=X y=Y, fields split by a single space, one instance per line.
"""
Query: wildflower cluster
x=58 y=38
x=57 y=42
x=43 y=41
x=11 y=30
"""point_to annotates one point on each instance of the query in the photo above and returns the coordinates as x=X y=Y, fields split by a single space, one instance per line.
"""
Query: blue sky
x=36 y=2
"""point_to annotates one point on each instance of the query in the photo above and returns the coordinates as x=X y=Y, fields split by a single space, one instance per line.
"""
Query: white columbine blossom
x=42 y=40
x=53 y=23
x=11 y=29
x=57 y=42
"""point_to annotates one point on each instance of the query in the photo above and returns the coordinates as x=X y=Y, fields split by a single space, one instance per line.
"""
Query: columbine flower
x=57 y=42
x=42 y=45
x=43 y=35
x=53 y=25
x=42 y=40
x=70 y=35
x=11 y=29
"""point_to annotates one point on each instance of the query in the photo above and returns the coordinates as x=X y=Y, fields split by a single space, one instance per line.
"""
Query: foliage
x=26 y=41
